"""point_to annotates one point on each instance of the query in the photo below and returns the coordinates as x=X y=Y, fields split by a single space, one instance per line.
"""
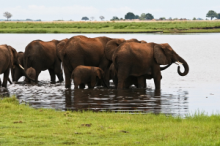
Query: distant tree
x=149 y=16
x=7 y=15
x=162 y=18
x=85 y=18
x=102 y=17
x=211 y=14
x=218 y=16
x=194 y=18
x=136 y=17
x=121 y=18
x=130 y=15
x=170 y=18
x=143 y=16
x=114 y=18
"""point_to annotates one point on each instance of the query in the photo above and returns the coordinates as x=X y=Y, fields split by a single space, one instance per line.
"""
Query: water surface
x=199 y=90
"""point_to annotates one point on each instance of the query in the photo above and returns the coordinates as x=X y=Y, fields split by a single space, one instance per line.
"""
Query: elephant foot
x=53 y=82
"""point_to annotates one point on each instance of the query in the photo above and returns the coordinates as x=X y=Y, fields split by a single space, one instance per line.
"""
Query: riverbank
x=111 y=27
x=23 y=125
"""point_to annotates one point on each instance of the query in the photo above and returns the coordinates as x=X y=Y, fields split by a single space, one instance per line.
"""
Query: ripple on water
x=46 y=95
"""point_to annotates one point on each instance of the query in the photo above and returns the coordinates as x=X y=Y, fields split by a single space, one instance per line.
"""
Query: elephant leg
x=122 y=76
x=115 y=81
x=58 y=71
x=107 y=77
x=60 y=77
x=52 y=76
x=37 y=74
x=91 y=85
x=82 y=86
x=67 y=78
x=6 y=75
x=0 y=83
x=104 y=65
x=76 y=86
x=141 y=82
x=157 y=77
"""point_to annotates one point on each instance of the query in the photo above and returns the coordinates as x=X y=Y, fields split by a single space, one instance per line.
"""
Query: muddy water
x=199 y=90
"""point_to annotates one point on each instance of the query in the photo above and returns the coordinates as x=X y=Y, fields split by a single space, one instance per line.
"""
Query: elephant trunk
x=25 y=72
x=185 y=65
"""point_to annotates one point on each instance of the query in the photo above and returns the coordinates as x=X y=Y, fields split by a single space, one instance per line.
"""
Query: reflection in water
x=46 y=95
x=133 y=100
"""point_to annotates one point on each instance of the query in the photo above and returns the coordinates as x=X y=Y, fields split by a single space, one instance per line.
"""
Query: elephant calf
x=82 y=75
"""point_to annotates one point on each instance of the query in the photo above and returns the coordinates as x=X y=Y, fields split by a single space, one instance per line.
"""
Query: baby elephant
x=82 y=75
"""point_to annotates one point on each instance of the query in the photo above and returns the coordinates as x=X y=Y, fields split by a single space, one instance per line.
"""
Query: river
x=198 y=91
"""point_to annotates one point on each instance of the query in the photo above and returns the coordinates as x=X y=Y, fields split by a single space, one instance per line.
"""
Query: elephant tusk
x=179 y=62
x=21 y=67
x=176 y=63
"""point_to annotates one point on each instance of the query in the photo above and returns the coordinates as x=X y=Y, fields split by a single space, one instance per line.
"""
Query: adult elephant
x=8 y=59
x=110 y=48
x=81 y=50
x=135 y=59
x=41 y=56
x=16 y=71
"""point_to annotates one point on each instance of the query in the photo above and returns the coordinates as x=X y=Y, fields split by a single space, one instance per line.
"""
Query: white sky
x=76 y=9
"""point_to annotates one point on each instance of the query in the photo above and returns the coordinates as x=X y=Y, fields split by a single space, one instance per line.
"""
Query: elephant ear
x=14 y=55
x=61 y=45
x=160 y=55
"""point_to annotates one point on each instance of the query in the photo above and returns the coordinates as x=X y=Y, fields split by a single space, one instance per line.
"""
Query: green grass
x=110 y=27
x=23 y=125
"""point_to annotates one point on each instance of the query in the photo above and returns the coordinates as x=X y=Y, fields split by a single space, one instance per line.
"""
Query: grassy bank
x=110 y=27
x=22 y=125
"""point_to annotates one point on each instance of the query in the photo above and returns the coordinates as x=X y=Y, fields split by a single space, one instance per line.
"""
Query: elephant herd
x=91 y=61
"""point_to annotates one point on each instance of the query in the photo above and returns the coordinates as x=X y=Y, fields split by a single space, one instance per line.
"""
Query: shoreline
x=112 y=27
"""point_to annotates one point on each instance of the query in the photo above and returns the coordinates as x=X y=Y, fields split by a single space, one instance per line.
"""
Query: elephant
x=16 y=71
x=8 y=59
x=110 y=48
x=87 y=75
x=41 y=56
x=136 y=59
x=81 y=50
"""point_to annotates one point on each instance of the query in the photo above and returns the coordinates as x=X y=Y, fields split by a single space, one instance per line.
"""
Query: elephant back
x=111 y=46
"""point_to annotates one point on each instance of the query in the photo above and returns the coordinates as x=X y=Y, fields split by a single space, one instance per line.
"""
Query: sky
x=49 y=10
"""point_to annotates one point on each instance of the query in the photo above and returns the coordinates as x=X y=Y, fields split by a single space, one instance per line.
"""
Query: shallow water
x=199 y=90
